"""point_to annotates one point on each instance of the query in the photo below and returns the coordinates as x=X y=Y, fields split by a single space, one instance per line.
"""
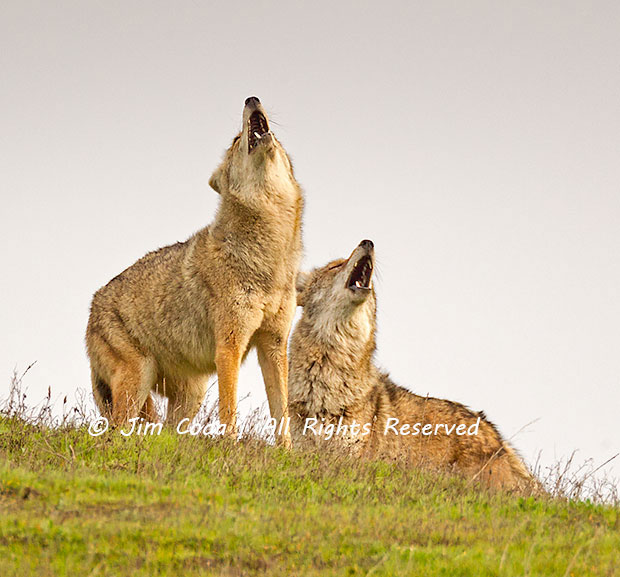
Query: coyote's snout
x=188 y=310
x=338 y=395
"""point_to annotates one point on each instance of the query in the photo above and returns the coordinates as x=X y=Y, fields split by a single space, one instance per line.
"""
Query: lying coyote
x=185 y=311
x=337 y=394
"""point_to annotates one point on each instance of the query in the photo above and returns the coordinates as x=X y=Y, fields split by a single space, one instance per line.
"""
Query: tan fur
x=186 y=311
x=332 y=378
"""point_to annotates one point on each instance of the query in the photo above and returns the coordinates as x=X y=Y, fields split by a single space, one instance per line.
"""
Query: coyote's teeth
x=358 y=284
x=257 y=135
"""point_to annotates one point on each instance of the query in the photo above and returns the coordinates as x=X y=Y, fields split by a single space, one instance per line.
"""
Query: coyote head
x=256 y=163
x=339 y=298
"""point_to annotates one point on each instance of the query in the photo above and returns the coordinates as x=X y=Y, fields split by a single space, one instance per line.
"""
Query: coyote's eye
x=236 y=139
x=335 y=266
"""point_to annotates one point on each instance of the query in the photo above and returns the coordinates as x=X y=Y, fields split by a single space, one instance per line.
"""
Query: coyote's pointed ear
x=216 y=180
x=301 y=284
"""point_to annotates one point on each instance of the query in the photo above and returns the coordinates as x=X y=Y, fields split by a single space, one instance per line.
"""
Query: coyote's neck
x=270 y=183
x=265 y=237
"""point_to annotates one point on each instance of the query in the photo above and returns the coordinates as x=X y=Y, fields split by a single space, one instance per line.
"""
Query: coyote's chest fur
x=330 y=373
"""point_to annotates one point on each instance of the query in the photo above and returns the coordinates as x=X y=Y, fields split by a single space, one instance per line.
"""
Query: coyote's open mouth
x=258 y=127
x=359 y=279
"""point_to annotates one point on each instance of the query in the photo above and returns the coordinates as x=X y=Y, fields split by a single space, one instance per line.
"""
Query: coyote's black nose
x=252 y=100
x=367 y=244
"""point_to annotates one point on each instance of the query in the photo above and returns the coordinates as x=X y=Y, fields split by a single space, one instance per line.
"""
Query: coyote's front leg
x=228 y=361
x=271 y=346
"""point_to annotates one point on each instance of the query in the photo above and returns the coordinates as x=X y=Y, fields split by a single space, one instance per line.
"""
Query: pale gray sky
x=477 y=143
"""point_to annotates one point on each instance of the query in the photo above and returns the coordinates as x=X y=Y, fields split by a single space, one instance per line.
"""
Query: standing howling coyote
x=185 y=311
x=337 y=394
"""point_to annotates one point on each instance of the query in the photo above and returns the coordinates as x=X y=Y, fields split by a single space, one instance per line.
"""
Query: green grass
x=72 y=504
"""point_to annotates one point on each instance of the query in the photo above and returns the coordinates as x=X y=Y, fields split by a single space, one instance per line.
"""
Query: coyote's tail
x=103 y=394
x=524 y=479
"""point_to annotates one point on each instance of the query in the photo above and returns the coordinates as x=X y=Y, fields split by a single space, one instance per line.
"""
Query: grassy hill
x=73 y=504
